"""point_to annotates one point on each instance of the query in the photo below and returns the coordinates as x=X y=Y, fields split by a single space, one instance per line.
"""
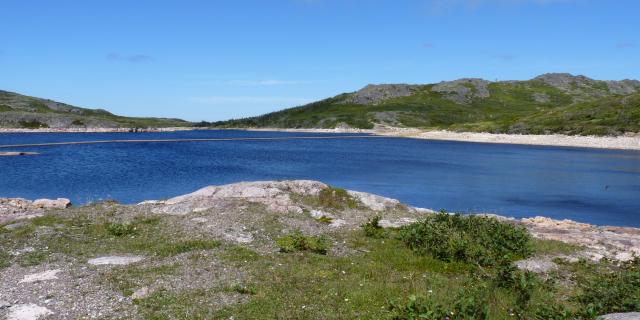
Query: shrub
x=296 y=241
x=336 y=198
x=473 y=239
x=611 y=291
x=5 y=259
x=372 y=228
x=121 y=229
x=33 y=124
x=471 y=303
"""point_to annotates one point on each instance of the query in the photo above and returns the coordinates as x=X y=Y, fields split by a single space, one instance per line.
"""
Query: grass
x=336 y=198
x=83 y=235
x=417 y=272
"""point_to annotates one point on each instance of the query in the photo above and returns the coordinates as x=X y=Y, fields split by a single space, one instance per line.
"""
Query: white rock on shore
x=18 y=208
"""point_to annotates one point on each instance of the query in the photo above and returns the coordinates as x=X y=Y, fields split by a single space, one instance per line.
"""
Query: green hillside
x=19 y=111
x=550 y=103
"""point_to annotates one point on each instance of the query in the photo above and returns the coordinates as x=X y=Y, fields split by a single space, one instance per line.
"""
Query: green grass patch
x=336 y=198
x=296 y=241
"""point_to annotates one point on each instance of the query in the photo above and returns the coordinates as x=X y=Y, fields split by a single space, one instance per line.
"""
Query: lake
x=588 y=185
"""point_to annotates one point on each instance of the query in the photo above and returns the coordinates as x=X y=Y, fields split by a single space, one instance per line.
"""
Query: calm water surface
x=589 y=185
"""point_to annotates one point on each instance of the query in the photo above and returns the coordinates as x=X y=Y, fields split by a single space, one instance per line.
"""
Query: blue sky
x=213 y=60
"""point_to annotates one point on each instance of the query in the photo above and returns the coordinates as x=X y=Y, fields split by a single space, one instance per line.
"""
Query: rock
x=28 y=312
x=536 y=265
x=621 y=316
x=42 y=276
x=17 y=153
x=275 y=195
x=4 y=304
x=60 y=203
x=396 y=224
x=337 y=223
x=115 y=260
x=374 y=202
x=463 y=90
x=140 y=293
x=541 y=97
x=373 y=94
x=623 y=87
x=14 y=226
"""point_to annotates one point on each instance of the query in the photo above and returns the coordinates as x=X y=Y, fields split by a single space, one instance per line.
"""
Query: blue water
x=589 y=185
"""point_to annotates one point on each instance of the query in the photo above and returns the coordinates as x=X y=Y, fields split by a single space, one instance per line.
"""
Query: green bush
x=33 y=124
x=5 y=259
x=296 y=241
x=336 y=198
x=121 y=229
x=474 y=239
x=611 y=291
x=372 y=228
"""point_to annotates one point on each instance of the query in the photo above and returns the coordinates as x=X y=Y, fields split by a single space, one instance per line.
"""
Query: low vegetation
x=296 y=241
x=441 y=267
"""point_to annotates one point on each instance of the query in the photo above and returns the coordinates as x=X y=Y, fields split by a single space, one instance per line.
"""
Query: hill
x=550 y=103
x=20 y=111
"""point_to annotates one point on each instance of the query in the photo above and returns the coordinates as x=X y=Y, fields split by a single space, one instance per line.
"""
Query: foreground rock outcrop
x=203 y=250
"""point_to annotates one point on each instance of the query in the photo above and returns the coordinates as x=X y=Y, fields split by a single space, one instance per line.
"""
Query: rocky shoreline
x=94 y=130
x=626 y=142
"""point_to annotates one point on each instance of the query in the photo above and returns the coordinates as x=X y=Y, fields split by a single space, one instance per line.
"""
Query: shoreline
x=624 y=142
x=95 y=130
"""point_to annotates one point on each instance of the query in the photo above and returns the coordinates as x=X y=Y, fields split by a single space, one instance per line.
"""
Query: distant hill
x=19 y=111
x=550 y=103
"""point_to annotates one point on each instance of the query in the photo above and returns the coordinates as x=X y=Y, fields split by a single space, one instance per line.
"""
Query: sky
x=215 y=60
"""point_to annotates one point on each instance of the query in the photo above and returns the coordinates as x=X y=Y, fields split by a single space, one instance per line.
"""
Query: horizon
x=217 y=61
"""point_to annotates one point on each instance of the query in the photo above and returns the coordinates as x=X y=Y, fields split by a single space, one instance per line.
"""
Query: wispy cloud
x=221 y=100
x=625 y=45
x=134 y=58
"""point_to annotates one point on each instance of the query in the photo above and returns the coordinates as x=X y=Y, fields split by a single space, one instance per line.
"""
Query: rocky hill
x=550 y=103
x=19 y=111
x=305 y=250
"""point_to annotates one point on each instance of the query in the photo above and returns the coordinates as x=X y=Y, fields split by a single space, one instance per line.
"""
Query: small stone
x=4 y=304
x=140 y=293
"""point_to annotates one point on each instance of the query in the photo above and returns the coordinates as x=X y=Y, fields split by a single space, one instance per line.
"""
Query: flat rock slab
x=13 y=154
x=621 y=316
x=28 y=312
x=115 y=260
x=42 y=276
